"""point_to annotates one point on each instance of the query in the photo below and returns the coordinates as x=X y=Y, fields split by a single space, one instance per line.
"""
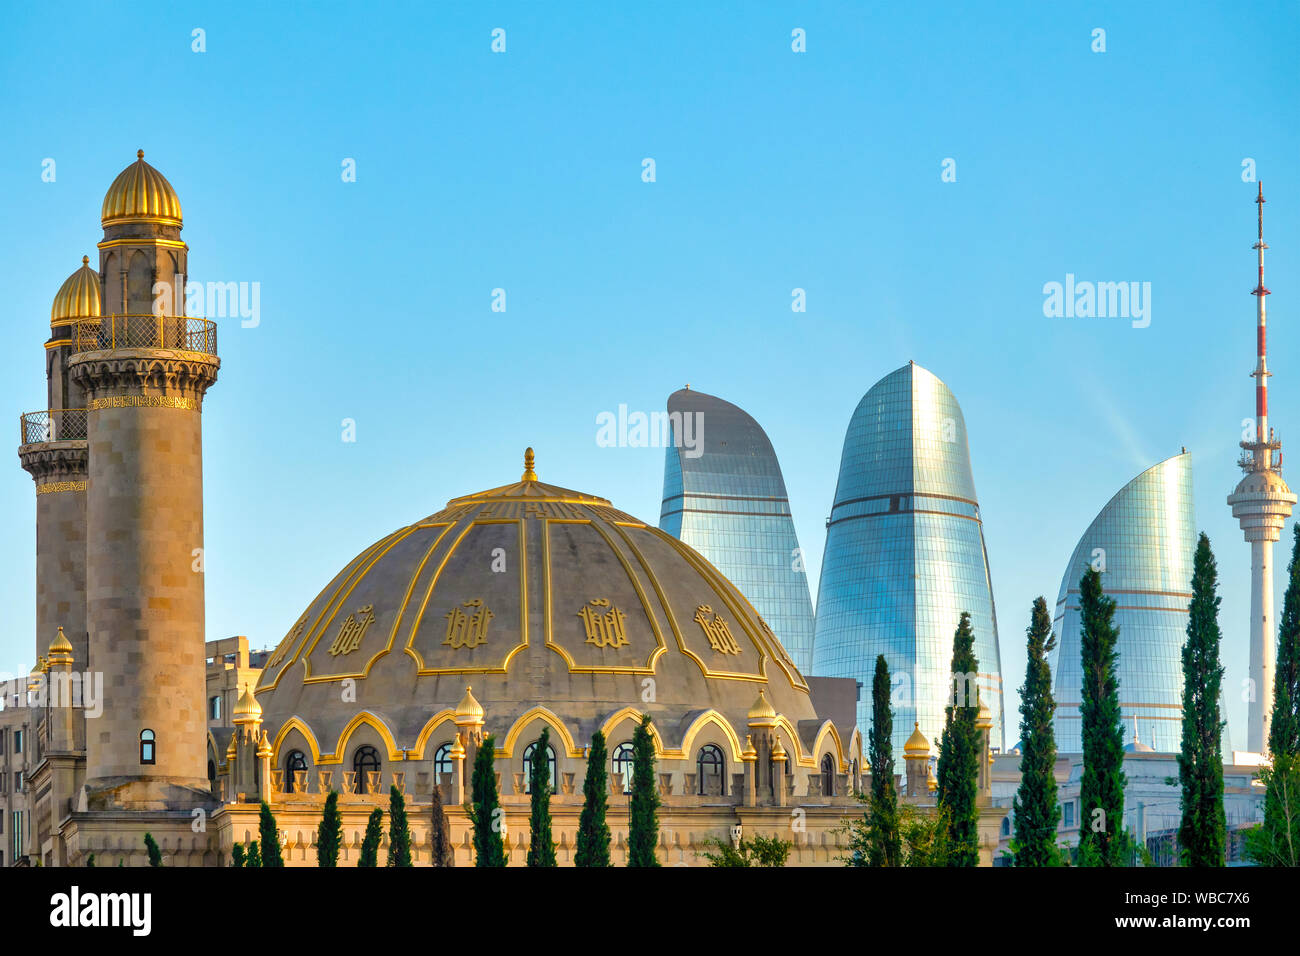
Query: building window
x=214 y=708
x=623 y=765
x=550 y=764
x=17 y=833
x=442 y=763
x=1006 y=826
x=18 y=743
x=364 y=761
x=711 y=766
x=18 y=782
x=828 y=776
x=1069 y=814
x=147 y=752
x=212 y=771
x=4 y=735
x=297 y=761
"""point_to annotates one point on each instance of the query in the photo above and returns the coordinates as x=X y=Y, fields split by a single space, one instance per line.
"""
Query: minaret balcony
x=175 y=332
x=54 y=424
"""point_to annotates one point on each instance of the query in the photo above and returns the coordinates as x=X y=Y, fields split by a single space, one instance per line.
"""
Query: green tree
x=90 y=861
x=370 y=842
x=1037 y=812
x=399 y=832
x=329 y=835
x=760 y=851
x=643 y=815
x=270 y=837
x=151 y=847
x=593 y=831
x=1277 y=841
x=442 y=852
x=960 y=752
x=884 y=844
x=541 y=848
x=237 y=855
x=485 y=808
x=1202 y=833
x=1101 y=790
x=252 y=856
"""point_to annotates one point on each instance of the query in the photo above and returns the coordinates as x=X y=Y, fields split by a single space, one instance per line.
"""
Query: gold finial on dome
x=85 y=260
x=78 y=297
x=457 y=748
x=762 y=714
x=60 y=649
x=778 y=750
x=264 y=746
x=469 y=710
x=233 y=748
x=749 y=753
x=917 y=746
x=141 y=194
x=529 y=473
x=247 y=709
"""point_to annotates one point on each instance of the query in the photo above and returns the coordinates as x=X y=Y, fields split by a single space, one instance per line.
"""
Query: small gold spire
x=762 y=714
x=778 y=750
x=60 y=649
x=139 y=154
x=247 y=709
x=529 y=474
x=469 y=710
x=917 y=745
x=457 y=748
x=85 y=260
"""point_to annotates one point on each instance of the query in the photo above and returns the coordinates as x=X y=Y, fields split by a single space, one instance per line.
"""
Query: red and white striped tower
x=1261 y=504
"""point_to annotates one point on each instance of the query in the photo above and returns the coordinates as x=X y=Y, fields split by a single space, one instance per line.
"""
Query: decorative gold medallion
x=716 y=630
x=604 y=630
x=468 y=630
x=352 y=630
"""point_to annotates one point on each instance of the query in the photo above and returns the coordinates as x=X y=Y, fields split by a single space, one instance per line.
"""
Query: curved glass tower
x=905 y=556
x=725 y=497
x=1143 y=543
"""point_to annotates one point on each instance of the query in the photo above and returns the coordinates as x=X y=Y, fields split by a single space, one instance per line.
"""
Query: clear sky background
x=775 y=170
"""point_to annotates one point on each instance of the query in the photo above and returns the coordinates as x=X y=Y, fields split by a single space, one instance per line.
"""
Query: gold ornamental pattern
x=605 y=628
x=144 y=401
x=467 y=625
x=353 y=630
x=716 y=630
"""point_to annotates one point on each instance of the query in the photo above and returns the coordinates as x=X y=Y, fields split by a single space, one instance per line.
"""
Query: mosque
x=524 y=607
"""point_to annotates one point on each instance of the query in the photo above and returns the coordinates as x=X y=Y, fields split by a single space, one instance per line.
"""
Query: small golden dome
x=78 y=297
x=916 y=744
x=141 y=194
x=749 y=753
x=457 y=748
x=931 y=784
x=984 y=719
x=264 y=745
x=233 y=748
x=247 y=709
x=778 y=751
x=762 y=712
x=60 y=649
x=469 y=707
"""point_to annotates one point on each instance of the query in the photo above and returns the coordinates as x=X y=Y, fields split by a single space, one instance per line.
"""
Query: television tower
x=1261 y=503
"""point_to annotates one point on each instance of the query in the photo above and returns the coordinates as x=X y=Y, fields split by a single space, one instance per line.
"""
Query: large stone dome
x=550 y=603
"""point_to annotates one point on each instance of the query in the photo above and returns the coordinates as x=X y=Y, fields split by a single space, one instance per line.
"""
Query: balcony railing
x=55 y=424
x=145 y=332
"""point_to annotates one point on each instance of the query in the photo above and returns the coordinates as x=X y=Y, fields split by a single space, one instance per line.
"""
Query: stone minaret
x=144 y=369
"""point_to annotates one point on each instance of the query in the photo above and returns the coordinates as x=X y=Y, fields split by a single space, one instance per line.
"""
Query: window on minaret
x=147 y=744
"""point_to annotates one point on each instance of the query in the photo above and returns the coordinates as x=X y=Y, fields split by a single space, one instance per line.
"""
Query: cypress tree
x=370 y=842
x=960 y=752
x=593 y=831
x=252 y=856
x=90 y=861
x=237 y=855
x=541 y=848
x=443 y=853
x=399 y=833
x=884 y=844
x=151 y=847
x=270 y=837
x=1202 y=833
x=1036 y=811
x=1277 y=841
x=330 y=832
x=485 y=809
x=1101 y=790
x=643 y=815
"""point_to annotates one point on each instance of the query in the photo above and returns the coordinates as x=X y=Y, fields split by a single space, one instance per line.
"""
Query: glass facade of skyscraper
x=1142 y=542
x=725 y=497
x=905 y=557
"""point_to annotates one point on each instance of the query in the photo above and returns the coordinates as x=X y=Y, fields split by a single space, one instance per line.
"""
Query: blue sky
x=775 y=170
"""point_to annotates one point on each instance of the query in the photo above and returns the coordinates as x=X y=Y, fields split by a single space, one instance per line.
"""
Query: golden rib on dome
x=141 y=194
x=78 y=297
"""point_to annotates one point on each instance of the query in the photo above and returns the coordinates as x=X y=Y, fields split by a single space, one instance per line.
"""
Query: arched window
x=147 y=752
x=442 y=763
x=712 y=767
x=212 y=771
x=828 y=776
x=623 y=764
x=364 y=761
x=297 y=761
x=1006 y=826
x=550 y=764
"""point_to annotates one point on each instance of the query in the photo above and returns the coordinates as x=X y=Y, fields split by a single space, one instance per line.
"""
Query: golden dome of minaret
x=141 y=194
x=78 y=297
x=916 y=744
x=247 y=709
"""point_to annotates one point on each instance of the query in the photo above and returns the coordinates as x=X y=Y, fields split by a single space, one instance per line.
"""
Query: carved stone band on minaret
x=55 y=463
x=128 y=372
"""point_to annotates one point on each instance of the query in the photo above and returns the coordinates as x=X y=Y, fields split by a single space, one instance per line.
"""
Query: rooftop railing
x=55 y=424
x=145 y=332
